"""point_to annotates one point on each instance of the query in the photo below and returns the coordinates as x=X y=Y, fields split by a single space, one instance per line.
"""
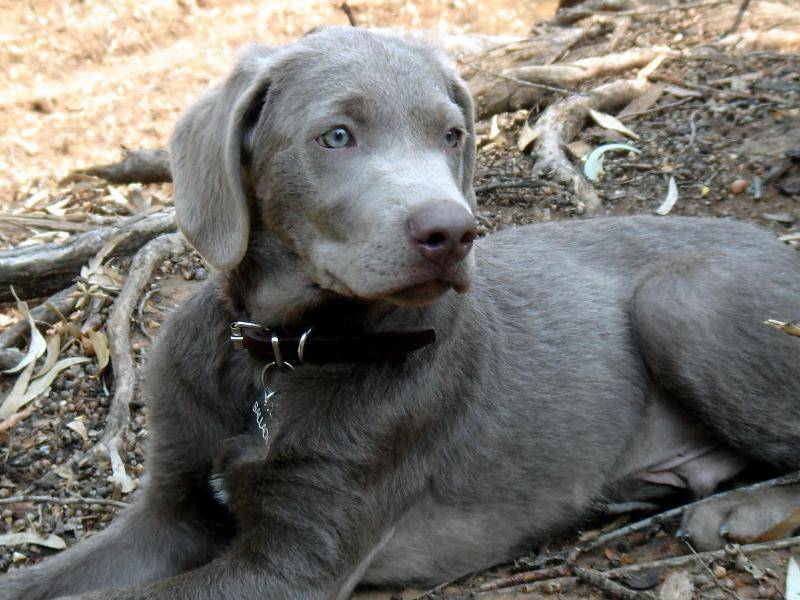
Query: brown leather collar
x=318 y=348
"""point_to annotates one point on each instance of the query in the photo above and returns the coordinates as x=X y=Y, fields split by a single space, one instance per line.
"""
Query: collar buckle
x=236 y=332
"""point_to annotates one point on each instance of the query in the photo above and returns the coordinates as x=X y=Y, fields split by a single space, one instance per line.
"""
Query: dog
x=399 y=401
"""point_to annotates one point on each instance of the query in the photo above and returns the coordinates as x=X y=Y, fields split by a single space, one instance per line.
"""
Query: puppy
x=401 y=403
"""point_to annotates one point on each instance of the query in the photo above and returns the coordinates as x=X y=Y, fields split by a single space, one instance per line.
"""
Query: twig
x=679 y=561
x=494 y=185
x=35 y=271
x=710 y=571
x=655 y=11
x=63 y=501
x=738 y=21
x=49 y=311
x=118 y=328
x=656 y=109
x=610 y=588
x=15 y=419
x=526 y=577
x=346 y=9
x=678 y=511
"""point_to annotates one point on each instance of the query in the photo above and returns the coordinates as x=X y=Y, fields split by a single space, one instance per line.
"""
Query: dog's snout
x=444 y=231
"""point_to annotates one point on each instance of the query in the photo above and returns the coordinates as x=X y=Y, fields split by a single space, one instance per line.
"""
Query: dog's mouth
x=418 y=295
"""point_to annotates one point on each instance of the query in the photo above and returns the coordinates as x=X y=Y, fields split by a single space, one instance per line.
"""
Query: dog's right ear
x=206 y=158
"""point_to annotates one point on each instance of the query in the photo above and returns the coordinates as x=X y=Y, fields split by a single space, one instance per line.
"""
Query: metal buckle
x=302 y=345
x=236 y=333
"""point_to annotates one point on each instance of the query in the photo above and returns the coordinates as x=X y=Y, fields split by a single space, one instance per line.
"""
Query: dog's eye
x=338 y=137
x=451 y=137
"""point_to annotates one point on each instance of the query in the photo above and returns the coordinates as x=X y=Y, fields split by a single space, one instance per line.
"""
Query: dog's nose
x=444 y=231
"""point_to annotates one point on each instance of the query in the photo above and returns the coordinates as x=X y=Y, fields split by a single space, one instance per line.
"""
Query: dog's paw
x=741 y=517
x=234 y=453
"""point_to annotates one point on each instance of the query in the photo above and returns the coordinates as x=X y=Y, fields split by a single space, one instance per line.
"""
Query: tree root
x=562 y=121
x=49 y=311
x=118 y=328
x=522 y=87
x=136 y=166
x=36 y=271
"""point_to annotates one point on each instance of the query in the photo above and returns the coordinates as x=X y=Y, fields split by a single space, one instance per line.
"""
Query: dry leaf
x=610 y=122
x=31 y=537
x=494 y=130
x=579 y=149
x=41 y=385
x=53 y=350
x=677 y=586
x=118 y=475
x=670 y=199
x=682 y=92
x=78 y=427
x=526 y=137
x=789 y=327
x=792 y=581
x=650 y=67
x=100 y=346
x=37 y=345
x=13 y=401
x=592 y=167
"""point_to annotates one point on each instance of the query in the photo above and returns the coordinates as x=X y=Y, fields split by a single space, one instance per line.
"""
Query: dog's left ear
x=206 y=156
x=461 y=95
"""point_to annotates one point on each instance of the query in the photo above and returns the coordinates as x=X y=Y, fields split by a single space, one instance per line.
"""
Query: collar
x=314 y=346
x=317 y=345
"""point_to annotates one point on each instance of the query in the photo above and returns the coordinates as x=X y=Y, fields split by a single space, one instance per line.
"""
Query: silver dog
x=612 y=359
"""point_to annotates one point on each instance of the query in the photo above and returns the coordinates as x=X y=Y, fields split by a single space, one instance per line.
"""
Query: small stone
x=738 y=186
x=701 y=580
x=18 y=557
x=719 y=571
x=728 y=583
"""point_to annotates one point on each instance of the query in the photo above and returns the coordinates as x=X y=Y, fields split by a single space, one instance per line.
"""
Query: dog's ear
x=206 y=154
x=462 y=96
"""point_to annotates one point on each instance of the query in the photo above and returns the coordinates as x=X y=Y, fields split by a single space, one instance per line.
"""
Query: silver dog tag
x=264 y=406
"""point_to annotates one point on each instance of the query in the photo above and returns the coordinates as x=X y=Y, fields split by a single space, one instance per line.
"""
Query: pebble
x=719 y=571
x=738 y=186
x=701 y=580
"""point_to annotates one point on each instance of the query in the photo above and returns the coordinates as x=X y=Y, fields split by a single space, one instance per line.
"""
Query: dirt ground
x=80 y=80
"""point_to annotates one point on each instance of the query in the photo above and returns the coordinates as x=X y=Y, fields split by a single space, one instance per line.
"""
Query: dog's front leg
x=308 y=528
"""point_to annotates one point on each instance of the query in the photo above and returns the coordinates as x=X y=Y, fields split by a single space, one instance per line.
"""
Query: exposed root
x=118 y=328
x=142 y=166
x=522 y=87
x=35 y=271
x=559 y=125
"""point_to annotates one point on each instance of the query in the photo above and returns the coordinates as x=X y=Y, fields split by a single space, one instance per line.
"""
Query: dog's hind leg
x=700 y=328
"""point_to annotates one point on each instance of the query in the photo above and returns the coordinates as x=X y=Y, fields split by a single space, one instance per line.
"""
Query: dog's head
x=353 y=150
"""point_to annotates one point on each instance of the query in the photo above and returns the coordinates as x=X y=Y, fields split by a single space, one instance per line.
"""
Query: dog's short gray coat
x=581 y=361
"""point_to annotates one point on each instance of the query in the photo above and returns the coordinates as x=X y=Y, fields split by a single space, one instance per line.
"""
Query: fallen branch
x=679 y=561
x=48 y=311
x=35 y=271
x=521 y=87
x=562 y=121
x=609 y=588
x=136 y=166
x=118 y=328
x=75 y=500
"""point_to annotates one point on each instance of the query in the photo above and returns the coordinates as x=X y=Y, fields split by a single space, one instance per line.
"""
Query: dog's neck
x=271 y=289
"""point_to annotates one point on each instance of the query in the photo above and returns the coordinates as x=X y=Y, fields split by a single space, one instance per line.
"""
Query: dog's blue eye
x=337 y=137
x=451 y=137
